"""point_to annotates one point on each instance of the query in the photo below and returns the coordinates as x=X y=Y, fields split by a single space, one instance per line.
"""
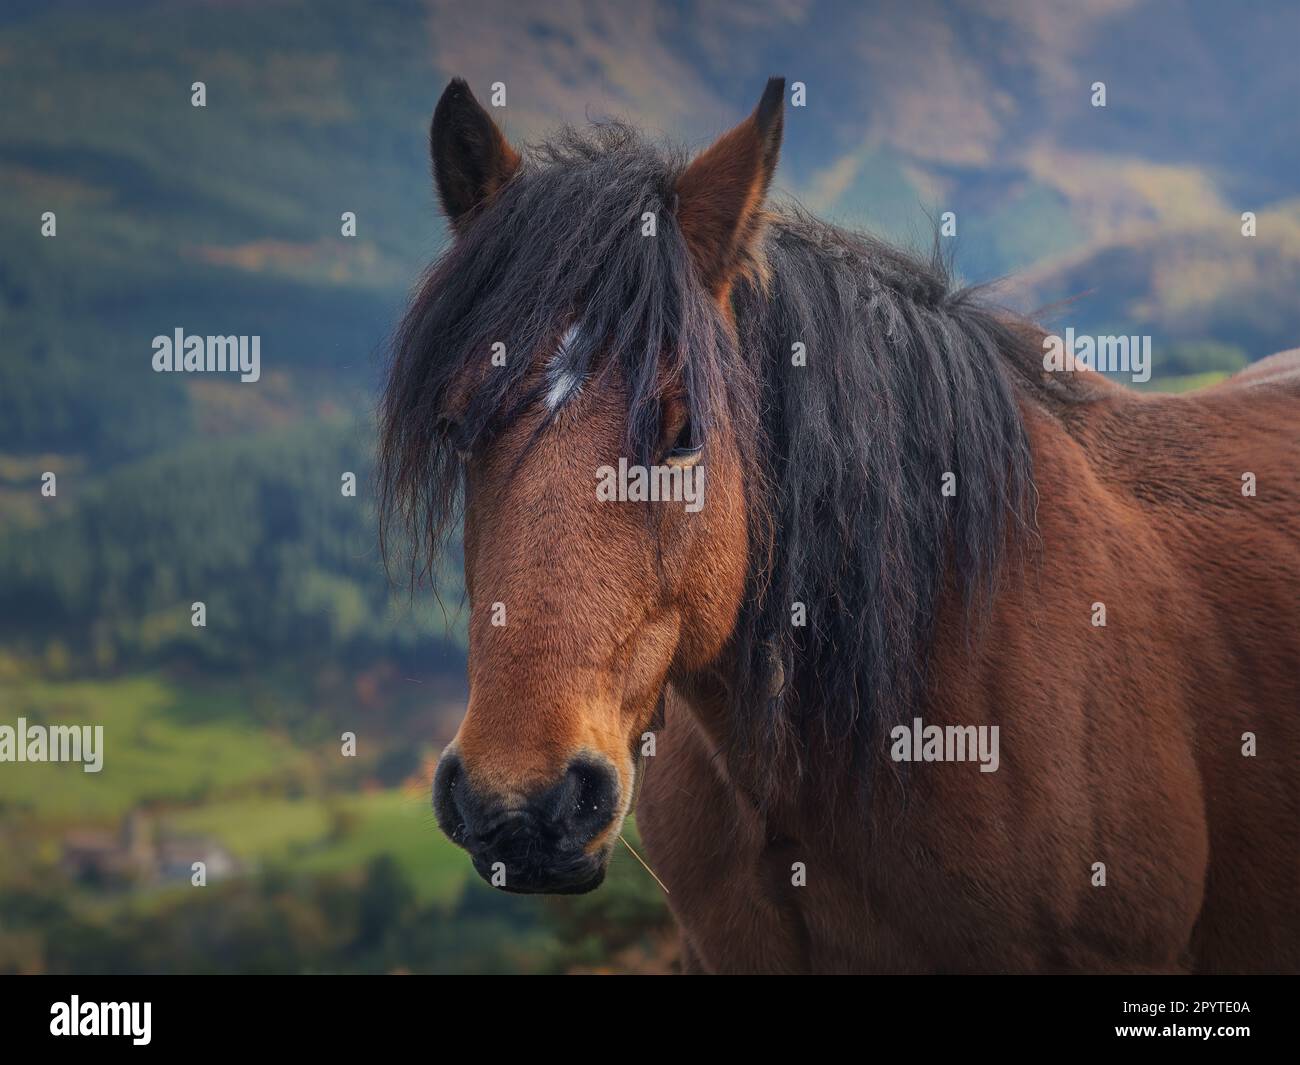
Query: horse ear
x=471 y=157
x=720 y=194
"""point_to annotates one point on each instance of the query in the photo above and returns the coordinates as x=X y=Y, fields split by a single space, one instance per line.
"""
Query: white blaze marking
x=564 y=382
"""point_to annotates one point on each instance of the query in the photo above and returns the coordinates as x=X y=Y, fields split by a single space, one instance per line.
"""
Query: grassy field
x=334 y=869
x=162 y=744
x=338 y=833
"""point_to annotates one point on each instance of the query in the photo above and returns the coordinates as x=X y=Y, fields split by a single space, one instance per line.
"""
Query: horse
x=966 y=663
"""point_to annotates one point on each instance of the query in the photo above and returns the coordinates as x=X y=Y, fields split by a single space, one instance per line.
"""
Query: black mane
x=906 y=379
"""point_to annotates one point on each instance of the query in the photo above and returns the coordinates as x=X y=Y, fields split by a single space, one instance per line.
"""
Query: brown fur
x=590 y=634
x=1120 y=744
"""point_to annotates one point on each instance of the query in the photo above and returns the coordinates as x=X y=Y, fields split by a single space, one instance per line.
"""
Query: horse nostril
x=530 y=844
x=545 y=832
x=447 y=781
x=591 y=798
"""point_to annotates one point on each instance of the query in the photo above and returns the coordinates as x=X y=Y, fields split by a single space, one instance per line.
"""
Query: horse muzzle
x=536 y=844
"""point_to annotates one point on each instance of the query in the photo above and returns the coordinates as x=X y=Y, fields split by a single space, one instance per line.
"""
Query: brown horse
x=958 y=663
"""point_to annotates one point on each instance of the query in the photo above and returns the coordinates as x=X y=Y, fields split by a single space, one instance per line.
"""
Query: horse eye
x=449 y=430
x=686 y=450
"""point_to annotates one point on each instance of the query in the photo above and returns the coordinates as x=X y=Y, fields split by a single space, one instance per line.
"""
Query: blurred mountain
x=171 y=214
x=227 y=218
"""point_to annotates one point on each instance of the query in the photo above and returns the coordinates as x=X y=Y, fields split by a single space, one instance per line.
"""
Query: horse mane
x=906 y=378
